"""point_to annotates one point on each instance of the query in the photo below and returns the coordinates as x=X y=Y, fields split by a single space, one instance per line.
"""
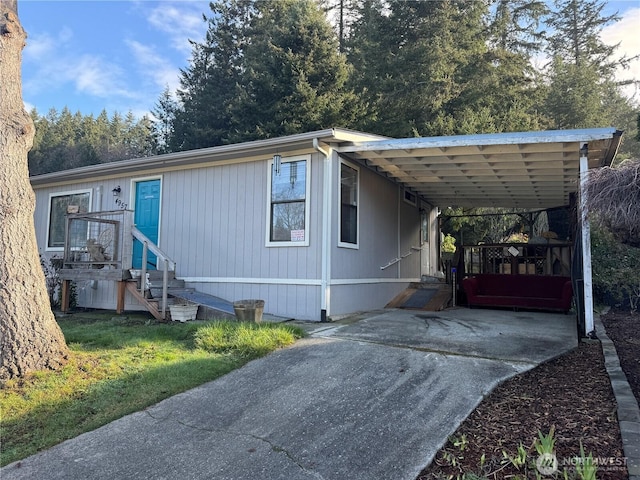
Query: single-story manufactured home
x=317 y=224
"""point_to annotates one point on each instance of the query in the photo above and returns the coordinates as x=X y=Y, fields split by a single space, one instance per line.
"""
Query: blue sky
x=113 y=55
x=120 y=55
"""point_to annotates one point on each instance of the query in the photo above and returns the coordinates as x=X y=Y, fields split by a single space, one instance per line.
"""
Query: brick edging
x=627 y=406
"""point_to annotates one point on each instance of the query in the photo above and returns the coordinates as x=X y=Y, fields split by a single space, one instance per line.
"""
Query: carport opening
x=539 y=169
x=523 y=259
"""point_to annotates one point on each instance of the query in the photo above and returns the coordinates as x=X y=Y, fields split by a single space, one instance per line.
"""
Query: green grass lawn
x=120 y=365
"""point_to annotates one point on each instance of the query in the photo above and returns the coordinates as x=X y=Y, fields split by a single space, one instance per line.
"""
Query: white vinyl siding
x=215 y=223
x=388 y=228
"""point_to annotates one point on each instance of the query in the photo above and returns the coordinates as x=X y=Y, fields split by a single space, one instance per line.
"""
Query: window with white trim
x=349 y=192
x=60 y=204
x=411 y=198
x=288 y=215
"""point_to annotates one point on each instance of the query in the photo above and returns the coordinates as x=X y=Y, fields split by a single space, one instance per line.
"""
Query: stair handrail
x=167 y=264
x=157 y=251
x=401 y=257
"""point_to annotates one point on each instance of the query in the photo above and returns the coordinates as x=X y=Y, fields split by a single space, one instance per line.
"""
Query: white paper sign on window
x=297 y=235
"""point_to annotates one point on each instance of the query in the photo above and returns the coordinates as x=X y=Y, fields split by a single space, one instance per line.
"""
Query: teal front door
x=147 y=219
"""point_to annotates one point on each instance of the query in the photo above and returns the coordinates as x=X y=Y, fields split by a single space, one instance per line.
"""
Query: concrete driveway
x=372 y=397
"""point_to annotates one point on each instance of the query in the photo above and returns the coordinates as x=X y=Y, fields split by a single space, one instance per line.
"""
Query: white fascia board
x=513 y=138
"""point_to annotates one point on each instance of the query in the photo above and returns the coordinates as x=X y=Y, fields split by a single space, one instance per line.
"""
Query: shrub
x=448 y=244
x=613 y=193
x=616 y=270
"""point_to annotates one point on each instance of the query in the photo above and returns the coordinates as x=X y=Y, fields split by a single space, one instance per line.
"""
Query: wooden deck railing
x=517 y=259
x=99 y=246
x=162 y=260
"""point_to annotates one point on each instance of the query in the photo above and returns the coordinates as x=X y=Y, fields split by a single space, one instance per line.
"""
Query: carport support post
x=585 y=230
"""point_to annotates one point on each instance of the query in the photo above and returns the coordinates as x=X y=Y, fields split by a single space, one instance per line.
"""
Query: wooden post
x=122 y=287
x=65 y=294
x=143 y=273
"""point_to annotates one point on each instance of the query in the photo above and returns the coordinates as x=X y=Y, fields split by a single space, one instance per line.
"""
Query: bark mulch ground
x=571 y=395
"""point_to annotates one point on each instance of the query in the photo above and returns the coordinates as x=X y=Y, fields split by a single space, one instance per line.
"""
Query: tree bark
x=30 y=338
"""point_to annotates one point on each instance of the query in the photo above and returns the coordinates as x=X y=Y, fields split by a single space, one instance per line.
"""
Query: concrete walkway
x=370 y=397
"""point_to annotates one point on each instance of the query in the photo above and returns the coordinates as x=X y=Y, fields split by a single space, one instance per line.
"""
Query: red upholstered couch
x=543 y=292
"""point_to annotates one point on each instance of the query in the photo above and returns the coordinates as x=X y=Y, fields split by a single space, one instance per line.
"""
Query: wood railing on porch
x=162 y=260
x=99 y=246
x=100 y=242
x=517 y=258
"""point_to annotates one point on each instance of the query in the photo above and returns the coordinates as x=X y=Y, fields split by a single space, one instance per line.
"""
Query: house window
x=349 y=178
x=289 y=203
x=410 y=197
x=59 y=205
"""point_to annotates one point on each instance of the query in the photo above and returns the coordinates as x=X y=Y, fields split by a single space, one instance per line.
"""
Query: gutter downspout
x=327 y=197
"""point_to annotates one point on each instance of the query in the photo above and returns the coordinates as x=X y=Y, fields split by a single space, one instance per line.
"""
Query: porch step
x=158 y=274
x=429 y=296
x=156 y=290
x=150 y=304
x=156 y=278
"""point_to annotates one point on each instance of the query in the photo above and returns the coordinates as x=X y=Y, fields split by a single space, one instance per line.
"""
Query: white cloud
x=92 y=75
x=181 y=21
x=625 y=33
x=122 y=68
x=55 y=64
x=154 y=66
x=87 y=74
x=41 y=47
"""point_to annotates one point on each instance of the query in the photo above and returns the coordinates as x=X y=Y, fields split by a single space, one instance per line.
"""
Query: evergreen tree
x=425 y=68
x=36 y=157
x=575 y=96
x=139 y=137
x=264 y=69
x=371 y=56
x=65 y=140
x=446 y=67
x=583 y=91
x=208 y=85
x=103 y=135
x=515 y=25
x=293 y=74
x=164 y=115
x=503 y=89
x=576 y=26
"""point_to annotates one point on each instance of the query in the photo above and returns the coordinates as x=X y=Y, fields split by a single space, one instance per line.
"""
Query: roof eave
x=266 y=147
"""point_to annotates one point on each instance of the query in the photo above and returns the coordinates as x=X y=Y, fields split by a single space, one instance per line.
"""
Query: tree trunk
x=30 y=338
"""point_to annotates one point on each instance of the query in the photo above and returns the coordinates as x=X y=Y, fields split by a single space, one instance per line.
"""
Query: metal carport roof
x=521 y=170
